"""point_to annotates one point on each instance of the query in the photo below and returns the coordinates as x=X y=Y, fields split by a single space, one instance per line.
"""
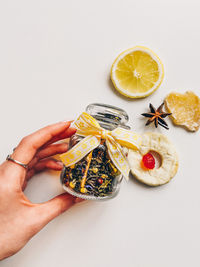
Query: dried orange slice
x=185 y=109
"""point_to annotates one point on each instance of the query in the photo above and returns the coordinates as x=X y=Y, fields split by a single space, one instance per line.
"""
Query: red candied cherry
x=148 y=161
x=100 y=181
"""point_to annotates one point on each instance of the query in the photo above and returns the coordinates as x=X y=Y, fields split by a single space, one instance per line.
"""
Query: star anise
x=157 y=116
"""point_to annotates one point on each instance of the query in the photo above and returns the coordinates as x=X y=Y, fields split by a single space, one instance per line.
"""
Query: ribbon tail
x=127 y=138
x=118 y=158
x=80 y=150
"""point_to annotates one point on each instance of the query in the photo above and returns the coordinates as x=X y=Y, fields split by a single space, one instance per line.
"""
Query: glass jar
x=95 y=177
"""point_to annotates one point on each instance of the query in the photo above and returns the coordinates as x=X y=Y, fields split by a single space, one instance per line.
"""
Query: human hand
x=21 y=219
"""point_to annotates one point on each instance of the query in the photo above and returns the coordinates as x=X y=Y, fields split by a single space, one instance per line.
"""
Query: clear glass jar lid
x=109 y=117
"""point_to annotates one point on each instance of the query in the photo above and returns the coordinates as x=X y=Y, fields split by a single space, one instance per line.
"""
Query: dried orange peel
x=185 y=109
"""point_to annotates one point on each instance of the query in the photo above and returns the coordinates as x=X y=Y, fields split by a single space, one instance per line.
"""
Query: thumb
x=54 y=207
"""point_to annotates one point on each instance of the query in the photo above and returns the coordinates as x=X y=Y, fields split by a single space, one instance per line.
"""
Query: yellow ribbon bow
x=89 y=128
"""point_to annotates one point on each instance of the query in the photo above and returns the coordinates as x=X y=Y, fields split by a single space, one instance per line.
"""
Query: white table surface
x=55 y=58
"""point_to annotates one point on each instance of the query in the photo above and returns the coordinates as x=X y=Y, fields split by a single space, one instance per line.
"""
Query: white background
x=55 y=58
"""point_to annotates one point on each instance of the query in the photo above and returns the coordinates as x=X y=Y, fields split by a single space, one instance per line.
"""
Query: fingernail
x=60 y=163
x=65 y=121
x=62 y=121
x=78 y=200
x=65 y=145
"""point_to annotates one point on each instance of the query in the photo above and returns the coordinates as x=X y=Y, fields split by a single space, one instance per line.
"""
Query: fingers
x=54 y=207
x=66 y=134
x=29 y=145
x=51 y=164
x=38 y=163
x=44 y=164
x=48 y=151
x=29 y=175
x=52 y=150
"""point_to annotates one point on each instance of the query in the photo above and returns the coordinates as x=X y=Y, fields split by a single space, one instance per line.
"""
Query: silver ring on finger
x=9 y=158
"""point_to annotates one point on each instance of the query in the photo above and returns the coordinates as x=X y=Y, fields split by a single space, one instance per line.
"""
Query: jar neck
x=111 y=126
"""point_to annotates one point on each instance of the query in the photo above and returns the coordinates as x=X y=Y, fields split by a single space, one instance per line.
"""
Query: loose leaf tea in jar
x=96 y=162
x=94 y=175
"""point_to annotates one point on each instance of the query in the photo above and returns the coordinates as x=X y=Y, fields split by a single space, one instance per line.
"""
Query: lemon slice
x=137 y=72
